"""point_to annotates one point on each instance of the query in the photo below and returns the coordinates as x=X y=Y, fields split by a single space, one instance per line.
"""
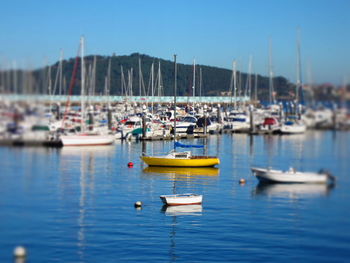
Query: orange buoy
x=130 y=164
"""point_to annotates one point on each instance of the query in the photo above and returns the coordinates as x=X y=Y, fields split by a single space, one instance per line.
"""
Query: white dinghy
x=182 y=199
x=291 y=176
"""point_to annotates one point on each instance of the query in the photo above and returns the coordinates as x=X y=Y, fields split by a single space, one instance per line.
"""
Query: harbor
x=41 y=123
x=90 y=173
x=174 y=131
x=77 y=203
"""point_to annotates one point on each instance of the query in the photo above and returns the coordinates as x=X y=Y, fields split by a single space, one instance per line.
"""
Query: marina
x=175 y=131
x=89 y=173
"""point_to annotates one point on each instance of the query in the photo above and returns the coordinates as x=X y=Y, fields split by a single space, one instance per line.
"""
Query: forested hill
x=215 y=80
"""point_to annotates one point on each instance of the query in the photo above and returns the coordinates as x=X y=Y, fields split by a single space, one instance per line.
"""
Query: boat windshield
x=181 y=156
x=189 y=119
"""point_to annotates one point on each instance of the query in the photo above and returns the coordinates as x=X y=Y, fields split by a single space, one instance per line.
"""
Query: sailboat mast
x=108 y=91
x=93 y=88
x=60 y=80
x=175 y=84
x=152 y=84
x=298 y=86
x=15 y=87
x=256 y=87
x=82 y=83
x=159 y=80
x=200 y=83
x=194 y=80
x=250 y=77
x=234 y=66
x=140 y=77
x=270 y=74
x=50 y=88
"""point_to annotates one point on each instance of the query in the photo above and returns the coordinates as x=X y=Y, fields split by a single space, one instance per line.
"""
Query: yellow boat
x=181 y=159
x=188 y=171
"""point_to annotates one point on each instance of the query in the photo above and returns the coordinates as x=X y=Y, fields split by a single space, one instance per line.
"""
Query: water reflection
x=182 y=210
x=174 y=212
x=91 y=150
x=84 y=163
x=84 y=182
x=293 y=191
x=88 y=158
x=182 y=171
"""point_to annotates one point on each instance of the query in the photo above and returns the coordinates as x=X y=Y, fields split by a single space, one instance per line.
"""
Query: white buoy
x=138 y=204
x=242 y=181
x=20 y=252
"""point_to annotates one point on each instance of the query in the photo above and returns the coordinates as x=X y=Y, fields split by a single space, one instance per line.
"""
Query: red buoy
x=130 y=164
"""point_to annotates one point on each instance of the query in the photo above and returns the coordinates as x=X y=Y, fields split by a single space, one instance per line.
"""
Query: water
x=77 y=204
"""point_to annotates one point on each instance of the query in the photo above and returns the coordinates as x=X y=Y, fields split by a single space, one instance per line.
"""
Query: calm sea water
x=77 y=204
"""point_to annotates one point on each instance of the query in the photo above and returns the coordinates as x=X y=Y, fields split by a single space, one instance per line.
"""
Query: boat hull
x=86 y=140
x=177 y=162
x=293 y=129
x=276 y=176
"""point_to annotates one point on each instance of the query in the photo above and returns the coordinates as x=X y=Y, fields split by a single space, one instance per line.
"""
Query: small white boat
x=182 y=199
x=293 y=127
x=291 y=176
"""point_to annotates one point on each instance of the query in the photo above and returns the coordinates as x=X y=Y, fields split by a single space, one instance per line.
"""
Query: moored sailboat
x=180 y=159
x=84 y=138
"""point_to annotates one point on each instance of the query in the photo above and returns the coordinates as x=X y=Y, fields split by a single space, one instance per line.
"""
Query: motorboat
x=292 y=126
x=270 y=124
x=182 y=199
x=181 y=159
x=128 y=126
x=237 y=121
x=291 y=176
x=186 y=125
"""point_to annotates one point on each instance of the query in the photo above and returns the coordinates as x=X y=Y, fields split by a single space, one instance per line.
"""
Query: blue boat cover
x=178 y=144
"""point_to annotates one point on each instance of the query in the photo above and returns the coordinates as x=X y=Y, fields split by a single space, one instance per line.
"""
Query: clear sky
x=214 y=32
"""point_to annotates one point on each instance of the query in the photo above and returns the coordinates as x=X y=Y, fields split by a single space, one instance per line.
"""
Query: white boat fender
x=138 y=204
x=20 y=252
x=242 y=181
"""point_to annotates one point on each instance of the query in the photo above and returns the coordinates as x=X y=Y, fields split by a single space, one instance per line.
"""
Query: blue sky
x=214 y=32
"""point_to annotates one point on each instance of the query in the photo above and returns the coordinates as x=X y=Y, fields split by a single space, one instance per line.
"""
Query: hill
x=124 y=77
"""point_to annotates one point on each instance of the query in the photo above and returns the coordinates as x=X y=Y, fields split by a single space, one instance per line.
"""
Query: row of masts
x=155 y=84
